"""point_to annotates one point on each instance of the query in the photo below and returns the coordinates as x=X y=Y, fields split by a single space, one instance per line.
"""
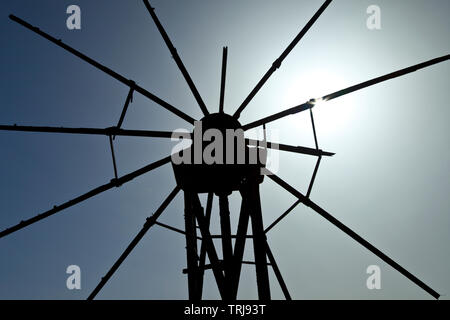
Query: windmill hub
x=219 y=159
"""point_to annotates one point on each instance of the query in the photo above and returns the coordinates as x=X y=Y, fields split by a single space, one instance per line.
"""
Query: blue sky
x=389 y=180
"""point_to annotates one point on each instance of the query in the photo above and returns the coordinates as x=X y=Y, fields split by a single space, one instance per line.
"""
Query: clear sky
x=389 y=180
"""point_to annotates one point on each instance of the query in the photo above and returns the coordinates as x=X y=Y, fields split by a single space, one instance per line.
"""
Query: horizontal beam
x=115 y=131
x=112 y=131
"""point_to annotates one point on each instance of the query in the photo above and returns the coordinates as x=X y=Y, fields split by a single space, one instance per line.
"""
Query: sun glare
x=330 y=116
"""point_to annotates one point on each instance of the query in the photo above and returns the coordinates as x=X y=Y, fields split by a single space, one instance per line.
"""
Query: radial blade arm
x=278 y=62
x=307 y=202
x=389 y=76
x=112 y=131
x=114 y=183
x=288 y=148
x=223 y=78
x=147 y=225
x=310 y=104
x=177 y=58
x=108 y=71
x=279 y=115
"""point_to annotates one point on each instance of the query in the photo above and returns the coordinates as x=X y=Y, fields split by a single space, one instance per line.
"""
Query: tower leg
x=259 y=243
x=191 y=248
x=228 y=281
x=227 y=245
x=201 y=263
x=203 y=224
x=239 y=245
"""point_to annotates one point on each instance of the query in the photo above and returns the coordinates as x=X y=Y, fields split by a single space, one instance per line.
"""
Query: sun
x=330 y=116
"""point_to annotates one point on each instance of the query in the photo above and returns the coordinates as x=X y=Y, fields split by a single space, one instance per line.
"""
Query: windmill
x=201 y=179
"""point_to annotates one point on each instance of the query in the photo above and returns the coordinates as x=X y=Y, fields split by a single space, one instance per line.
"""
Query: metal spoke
x=313 y=178
x=111 y=145
x=112 y=73
x=223 y=78
x=277 y=272
x=114 y=183
x=288 y=148
x=125 y=108
x=112 y=131
x=166 y=226
x=310 y=104
x=273 y=224
x=389 y=76
x=147 y=225
x=307 y=202
x=313 y=128
x=177 y=58
x=277 y=63
x=239 y=246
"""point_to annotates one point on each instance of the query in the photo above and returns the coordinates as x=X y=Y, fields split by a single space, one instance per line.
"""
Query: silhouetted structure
x=218 y=179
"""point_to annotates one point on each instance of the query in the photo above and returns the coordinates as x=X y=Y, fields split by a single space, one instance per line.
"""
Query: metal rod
x=114 y=131
x=147 y=225
x=288 y=148
x=278 y=115
x=223 y=79
x=307 y=202
x=114 y=183
x=177 y=58
x=113 y=156
x=233 y=236
x=308 y=105
x=191 y=248
x=313 y=178
x=108 y=71
x=277 y=272
x=273 y=224
x=259 y=244
x=388 y=76
x=210 y=248
x=239 y=245
x=201 y=264
x=166 y=226
x=227 y=246
x=111 y=131
x=203 y=268
x=125 y=108
x=313 y=128
x=277 y=63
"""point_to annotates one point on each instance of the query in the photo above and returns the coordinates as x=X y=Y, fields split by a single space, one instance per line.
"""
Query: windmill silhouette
x=217 y=179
